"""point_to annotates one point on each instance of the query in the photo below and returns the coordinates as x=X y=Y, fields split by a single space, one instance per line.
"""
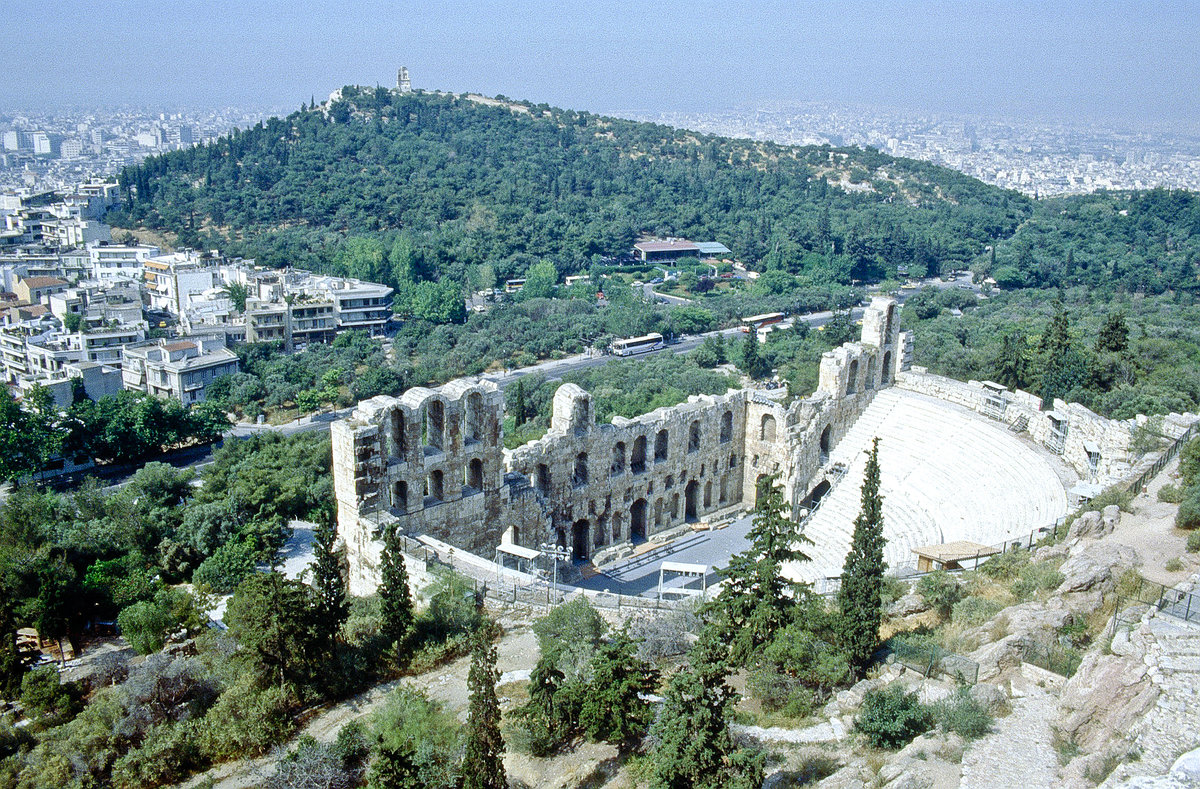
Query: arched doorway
x=637 y=521
x=690 y=504
x=818 y=493
x=579 y=541
x=767 y=429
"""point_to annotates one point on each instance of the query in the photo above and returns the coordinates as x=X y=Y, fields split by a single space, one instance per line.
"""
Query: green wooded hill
x=448 y=186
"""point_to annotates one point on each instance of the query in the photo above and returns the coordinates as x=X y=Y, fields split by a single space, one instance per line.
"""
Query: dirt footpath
x=1150 y=530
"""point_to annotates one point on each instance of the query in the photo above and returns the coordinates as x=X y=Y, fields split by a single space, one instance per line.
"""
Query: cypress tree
x=613 y=708
x=483 y=762
x=395 y=597
x=695 y=746
x=332 y=608
x=862 y=576
x=519 y=404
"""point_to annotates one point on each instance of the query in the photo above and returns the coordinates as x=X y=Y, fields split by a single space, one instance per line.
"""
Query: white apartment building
x=112 y=262
x=172 y=280
x=179 y=369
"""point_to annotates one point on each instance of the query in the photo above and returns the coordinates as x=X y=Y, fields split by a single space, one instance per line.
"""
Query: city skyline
x=1093 y=63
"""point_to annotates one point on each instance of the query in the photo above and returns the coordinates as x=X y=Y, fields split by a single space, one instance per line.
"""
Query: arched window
x=694 y=437
x=474 y=478
x=825 y=442
x=886 y=377
x=891 y=324
x=475 y=417
x=543 y=479
x=398 y=443
x=580 y=477
x=618 y=459
x=660 y=446
x=852 y=378
x=637 y=461
x=435 y=485
x=435 y=424
x=726 y=427
x=400 y=496
x=767 y=430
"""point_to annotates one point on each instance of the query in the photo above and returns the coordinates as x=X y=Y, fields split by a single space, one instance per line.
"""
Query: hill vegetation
x=400 y=188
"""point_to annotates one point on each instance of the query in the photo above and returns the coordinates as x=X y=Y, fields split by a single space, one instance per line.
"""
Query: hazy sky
x=1125 y=61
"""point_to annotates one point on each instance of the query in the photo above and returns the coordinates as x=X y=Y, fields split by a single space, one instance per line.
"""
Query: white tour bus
x=650 y=342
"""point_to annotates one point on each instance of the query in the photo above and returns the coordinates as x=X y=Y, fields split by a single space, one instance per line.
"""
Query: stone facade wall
x=432 y=461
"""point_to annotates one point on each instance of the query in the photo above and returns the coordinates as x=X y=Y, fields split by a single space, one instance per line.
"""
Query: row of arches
x=697 y=498
x=433 y=488
x=884 y=378
x=433 y=421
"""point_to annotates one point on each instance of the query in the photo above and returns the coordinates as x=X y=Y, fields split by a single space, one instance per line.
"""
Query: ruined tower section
x=605 y=484
x=429 y=462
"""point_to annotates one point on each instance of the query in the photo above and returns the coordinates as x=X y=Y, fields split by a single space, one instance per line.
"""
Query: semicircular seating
x=946 y=474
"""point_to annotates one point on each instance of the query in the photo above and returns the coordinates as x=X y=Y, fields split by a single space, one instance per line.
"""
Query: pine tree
x=613 y=708
x=1011 y=365
x=546 y=715
x=860 y=596
x=332 y=608
x=395 y=597
x=1063 y=366
x=758 y=600
x=483 y=762
x=753 y=365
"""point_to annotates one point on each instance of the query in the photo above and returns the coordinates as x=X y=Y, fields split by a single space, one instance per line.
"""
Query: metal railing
x=1173 y=602
x=1168 y=454
x=931 y=660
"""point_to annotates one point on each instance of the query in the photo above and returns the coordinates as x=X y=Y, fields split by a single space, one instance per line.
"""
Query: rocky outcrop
x=911 y=603
x=1096 y=567
x=1095 y=524
x=1101 y=703
x=931 y=761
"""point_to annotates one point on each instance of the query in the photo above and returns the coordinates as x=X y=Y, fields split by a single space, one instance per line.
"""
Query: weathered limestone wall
x=625 y=481
x=432 y=461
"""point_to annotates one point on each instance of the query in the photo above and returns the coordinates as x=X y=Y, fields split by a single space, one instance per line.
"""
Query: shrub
x=974 y=611
x=416 y=743
x=1036 y=577
x=799 y=653
x=1171 y=494
x=569 y=635
x=1188 y=516
x=1193 y=543
x=227 y=567
x=313 y=765
x=43 y=693
x=1174 y=565
x=940 y=589
x=1189 y=462
x=664 y=636
x=245 y=721
x=891 y=718
x=780 y=693
x=145 y=625
x=963 y=715
x=1006 y=566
